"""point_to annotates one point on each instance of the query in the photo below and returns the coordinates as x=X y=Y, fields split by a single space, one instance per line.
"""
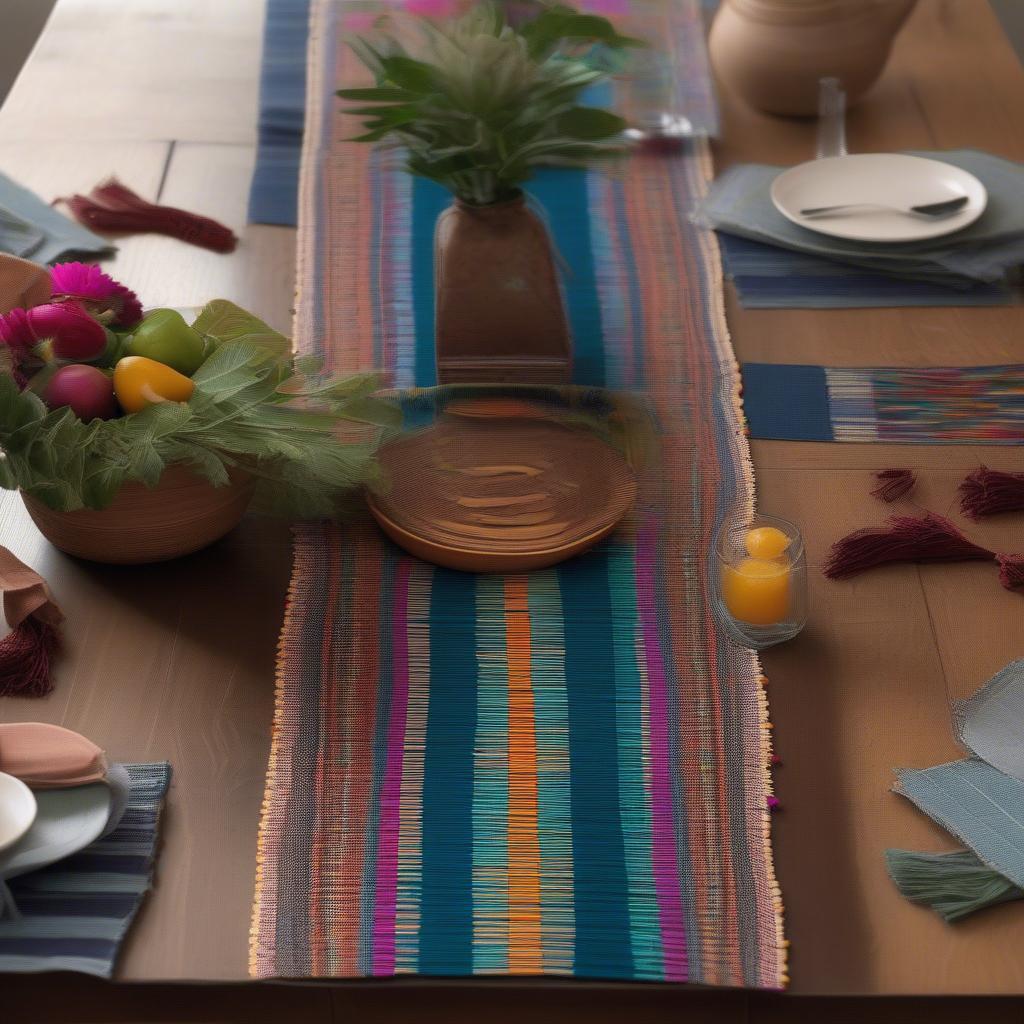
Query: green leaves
x=589 y=123
x=251 y=407
x=560 y=24
x=410 y=75
x=222 y=321
x=480 y=104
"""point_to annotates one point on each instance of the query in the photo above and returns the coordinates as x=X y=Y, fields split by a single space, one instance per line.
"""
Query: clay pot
x=182 y=514
x=773 y=52
x=500 y=317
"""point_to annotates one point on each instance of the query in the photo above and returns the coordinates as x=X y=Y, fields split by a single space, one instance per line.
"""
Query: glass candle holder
x=760 y=577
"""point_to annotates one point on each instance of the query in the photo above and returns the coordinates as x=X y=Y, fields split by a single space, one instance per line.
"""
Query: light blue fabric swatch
x=991 y=723
x=978 y=804
x=34 y=231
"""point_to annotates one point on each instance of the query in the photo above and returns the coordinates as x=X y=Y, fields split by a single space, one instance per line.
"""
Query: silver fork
x=932 y=211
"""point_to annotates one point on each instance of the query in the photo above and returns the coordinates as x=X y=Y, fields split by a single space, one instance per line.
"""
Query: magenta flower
x=109 y=301
x=16 y=331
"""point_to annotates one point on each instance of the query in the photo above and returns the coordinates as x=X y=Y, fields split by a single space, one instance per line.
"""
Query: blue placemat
x=282 y=111
x=76 y=913
x=901 y=405
x=767 y=277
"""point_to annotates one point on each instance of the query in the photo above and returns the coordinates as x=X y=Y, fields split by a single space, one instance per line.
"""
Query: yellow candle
x=756 y=590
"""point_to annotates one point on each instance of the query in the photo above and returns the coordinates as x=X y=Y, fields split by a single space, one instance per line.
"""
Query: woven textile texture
x=76 y=913
x=895 y=405
x=559 y=773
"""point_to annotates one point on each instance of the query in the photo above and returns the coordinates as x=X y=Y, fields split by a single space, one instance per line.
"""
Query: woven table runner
x=557 y=773
x=897 y=405
x=75 y=914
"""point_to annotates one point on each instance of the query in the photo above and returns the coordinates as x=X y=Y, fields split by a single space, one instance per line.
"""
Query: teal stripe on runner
x=599 y=868
x=490 y=782
x=634 y=763
x=446 y=913
x=554 y=817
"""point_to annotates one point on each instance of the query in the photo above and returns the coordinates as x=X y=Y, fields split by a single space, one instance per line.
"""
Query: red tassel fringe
x=1011 y=571
x=895 y=484
x=26 y=654
x=112 y=207
x=988 y=491
x=927 y=538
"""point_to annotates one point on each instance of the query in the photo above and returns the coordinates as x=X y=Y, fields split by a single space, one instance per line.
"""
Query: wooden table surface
x=176 y=662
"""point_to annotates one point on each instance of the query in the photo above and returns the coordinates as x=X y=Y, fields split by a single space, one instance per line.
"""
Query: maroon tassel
x=988 y=491
x=894 y=484
x=112 y=207
x=1011 y=571
x=927 y=538
x=26 y=654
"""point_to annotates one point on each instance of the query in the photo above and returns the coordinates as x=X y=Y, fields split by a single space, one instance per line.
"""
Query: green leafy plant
x=480 y=103
x=289 y=425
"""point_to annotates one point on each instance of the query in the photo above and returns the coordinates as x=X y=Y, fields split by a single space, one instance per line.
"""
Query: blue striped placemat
x=76 y=913
x=901 y=405
x=768 y=277
x=275 y=183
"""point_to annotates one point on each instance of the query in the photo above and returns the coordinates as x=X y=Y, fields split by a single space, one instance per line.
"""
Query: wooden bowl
x=182 y=514
x=501 y=494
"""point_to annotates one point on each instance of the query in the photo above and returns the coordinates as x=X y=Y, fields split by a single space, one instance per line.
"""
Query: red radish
x=87 y=391
x=75 y=334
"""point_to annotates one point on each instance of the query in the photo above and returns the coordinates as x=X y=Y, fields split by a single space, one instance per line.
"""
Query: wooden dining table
x=176 y=661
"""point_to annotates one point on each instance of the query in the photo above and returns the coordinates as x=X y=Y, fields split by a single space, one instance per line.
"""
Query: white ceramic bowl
x=17 y=810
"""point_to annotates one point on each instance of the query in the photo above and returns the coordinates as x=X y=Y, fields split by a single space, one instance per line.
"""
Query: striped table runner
x=559 y=773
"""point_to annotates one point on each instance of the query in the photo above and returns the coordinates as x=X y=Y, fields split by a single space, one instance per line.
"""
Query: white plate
x=17 y=810
x=892 y=178
x=68 y=821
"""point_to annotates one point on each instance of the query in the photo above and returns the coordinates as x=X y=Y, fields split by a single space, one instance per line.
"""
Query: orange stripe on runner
x=524 y=952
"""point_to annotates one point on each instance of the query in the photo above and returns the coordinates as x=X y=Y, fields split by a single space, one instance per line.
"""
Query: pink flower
x=16 y=331
x=99 y=292
x=75 y=334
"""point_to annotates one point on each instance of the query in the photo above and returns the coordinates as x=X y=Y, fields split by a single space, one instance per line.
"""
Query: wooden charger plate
x=500 y=494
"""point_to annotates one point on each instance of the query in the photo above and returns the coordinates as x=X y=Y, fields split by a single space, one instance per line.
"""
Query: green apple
x=165 y=337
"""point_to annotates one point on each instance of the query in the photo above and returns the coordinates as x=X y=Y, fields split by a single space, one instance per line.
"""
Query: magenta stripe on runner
x=387 y=856
x=663 y=852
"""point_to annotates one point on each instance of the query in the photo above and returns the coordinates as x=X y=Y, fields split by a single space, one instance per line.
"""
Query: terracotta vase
x=182 y=514
x=773 y=52
x=500 y=317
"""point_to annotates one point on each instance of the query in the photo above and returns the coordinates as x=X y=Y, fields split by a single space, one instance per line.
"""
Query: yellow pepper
x=139 y=382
